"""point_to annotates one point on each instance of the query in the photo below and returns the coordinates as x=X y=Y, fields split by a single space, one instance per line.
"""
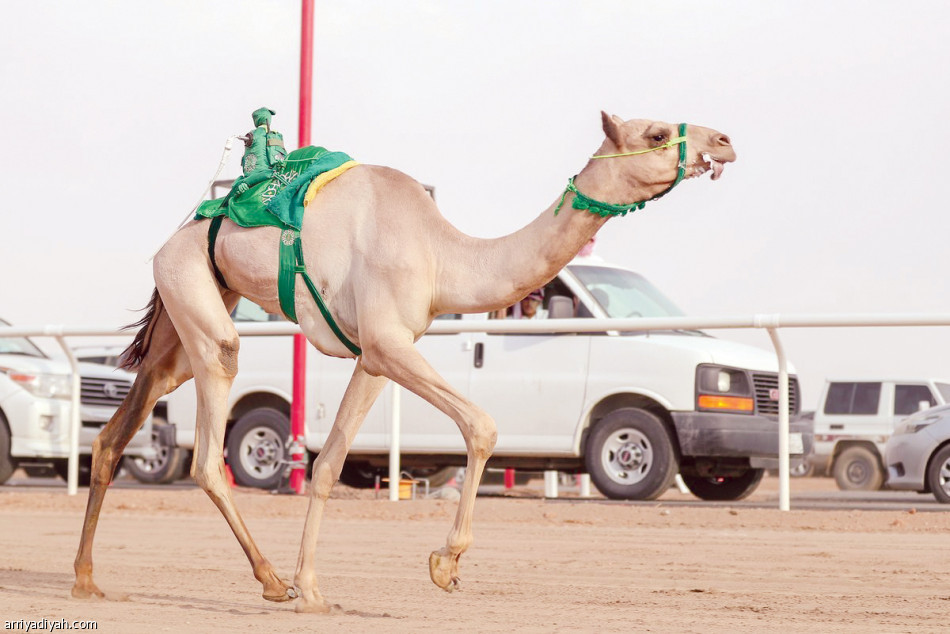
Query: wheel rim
x=156 y=464
x=261 y=452
x=857 y=472
x=944 y=477
x=627 y=456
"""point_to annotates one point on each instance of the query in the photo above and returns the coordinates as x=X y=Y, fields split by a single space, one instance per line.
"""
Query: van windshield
x=624 y=293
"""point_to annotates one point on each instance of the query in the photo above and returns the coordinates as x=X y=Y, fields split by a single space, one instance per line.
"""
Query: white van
x=631 y=409
x=35 y=393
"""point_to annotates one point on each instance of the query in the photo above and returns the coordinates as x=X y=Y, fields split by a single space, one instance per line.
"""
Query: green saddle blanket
x=278 y=201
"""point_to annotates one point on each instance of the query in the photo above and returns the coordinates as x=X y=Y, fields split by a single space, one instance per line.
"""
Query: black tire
x=437 y=476
x=258 y=448
x=8 y=463
x=361 y=475
x=168 y=464
x=938 y=475
x=724 y=488
x=61 y=466
x=858 y=468
x=630 y=456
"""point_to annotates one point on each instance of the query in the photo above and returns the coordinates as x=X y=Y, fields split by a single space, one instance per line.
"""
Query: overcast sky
x=115 y=114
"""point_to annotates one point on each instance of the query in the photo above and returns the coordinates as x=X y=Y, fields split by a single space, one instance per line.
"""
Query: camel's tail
x=132 y=356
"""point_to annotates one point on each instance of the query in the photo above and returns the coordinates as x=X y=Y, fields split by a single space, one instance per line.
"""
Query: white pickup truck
x=632 y=409
x=855 y=418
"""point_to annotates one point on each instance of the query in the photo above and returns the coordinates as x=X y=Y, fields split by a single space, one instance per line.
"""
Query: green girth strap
x=291 y=265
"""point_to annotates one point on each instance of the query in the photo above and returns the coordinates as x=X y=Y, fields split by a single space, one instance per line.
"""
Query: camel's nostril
x=722 y=139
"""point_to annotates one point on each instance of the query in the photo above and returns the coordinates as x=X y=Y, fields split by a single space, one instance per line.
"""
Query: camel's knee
x=484 y=435
x=210 y=477
x=322 y=479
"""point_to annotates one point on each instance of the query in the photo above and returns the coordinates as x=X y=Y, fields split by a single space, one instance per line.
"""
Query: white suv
x=632 y=409
x=35 y=393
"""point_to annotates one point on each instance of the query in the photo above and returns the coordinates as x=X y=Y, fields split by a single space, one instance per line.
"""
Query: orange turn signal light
x=731 y=403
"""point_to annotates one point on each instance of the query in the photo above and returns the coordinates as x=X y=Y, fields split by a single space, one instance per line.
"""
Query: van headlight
x=721 y=389
x=40 y=384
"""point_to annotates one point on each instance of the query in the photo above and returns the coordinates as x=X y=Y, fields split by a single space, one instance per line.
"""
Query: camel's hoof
x=289 y=594
x=443 y=571
x=87 y=591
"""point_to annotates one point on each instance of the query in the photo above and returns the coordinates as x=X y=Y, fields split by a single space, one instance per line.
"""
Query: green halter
x=603 y=209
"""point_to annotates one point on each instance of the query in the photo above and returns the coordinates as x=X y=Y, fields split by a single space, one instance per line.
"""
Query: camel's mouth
x=709 y=163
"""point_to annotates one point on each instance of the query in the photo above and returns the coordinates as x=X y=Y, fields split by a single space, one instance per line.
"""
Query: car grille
x=766 y=391
x=103 y=391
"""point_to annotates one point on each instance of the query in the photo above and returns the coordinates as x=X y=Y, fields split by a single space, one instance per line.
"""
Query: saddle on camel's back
x=274 y=191
x=279 y=201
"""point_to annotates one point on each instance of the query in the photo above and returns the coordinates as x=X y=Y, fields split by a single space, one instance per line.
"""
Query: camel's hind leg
x=359 y=397
x=203 y=322
x=401 y=362
x=164 y=368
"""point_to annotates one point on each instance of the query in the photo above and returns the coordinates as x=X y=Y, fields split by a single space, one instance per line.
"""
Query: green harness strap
x=291 y=265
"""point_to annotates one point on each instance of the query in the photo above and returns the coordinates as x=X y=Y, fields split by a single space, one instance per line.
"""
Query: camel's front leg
x=360 y=395
x=403 y=364
x=444 y=563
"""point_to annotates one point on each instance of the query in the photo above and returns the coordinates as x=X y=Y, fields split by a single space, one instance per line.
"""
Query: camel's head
x=654 y=151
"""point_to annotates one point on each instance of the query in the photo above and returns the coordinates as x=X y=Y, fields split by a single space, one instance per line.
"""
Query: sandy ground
x=170 y=564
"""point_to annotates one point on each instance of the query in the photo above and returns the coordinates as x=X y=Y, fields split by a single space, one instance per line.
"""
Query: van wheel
x=938 y=475
x=437 y=476
x=724 y=488
x=167 y=464
x=258 y=448
x=858 y=469
x=629 y=455
x=8 y=463
x=360 y=475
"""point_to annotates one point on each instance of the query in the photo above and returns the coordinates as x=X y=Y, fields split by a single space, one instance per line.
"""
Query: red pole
x=297 y=424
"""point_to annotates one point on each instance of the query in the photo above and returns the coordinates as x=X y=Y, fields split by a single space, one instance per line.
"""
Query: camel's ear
x=612 y=125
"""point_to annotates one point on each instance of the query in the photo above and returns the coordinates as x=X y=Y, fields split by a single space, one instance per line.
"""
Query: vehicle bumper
x=906 y=457
x=737 y=435
x=39 y=428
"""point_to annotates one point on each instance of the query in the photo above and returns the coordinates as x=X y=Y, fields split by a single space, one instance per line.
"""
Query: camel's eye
x=659 y=138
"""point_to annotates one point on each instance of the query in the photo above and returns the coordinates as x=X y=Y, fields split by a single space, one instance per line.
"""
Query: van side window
x=907 y=398
x=853 y=398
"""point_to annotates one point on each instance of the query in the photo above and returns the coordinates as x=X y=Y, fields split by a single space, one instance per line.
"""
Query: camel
x=386 y=263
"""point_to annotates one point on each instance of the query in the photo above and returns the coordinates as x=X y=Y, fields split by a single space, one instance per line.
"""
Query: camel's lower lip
x=708 y=163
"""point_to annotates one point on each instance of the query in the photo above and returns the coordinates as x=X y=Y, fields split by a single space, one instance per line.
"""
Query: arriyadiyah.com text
x=48 y=625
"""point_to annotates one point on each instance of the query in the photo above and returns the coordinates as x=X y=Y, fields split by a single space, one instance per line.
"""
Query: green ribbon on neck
x=602 y=209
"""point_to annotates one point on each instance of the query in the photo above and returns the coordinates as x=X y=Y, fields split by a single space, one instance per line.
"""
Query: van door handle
x=479 y=354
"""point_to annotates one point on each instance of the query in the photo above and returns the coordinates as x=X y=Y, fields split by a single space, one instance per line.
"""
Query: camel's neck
x=481 y=275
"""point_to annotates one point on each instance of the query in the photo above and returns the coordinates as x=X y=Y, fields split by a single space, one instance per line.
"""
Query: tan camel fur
x=387 y=263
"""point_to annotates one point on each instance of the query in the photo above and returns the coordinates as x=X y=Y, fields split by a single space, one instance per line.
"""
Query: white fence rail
x=769 y=322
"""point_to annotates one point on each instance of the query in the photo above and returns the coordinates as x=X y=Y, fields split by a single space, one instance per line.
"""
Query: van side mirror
x=560 y=307
x=922 y=405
